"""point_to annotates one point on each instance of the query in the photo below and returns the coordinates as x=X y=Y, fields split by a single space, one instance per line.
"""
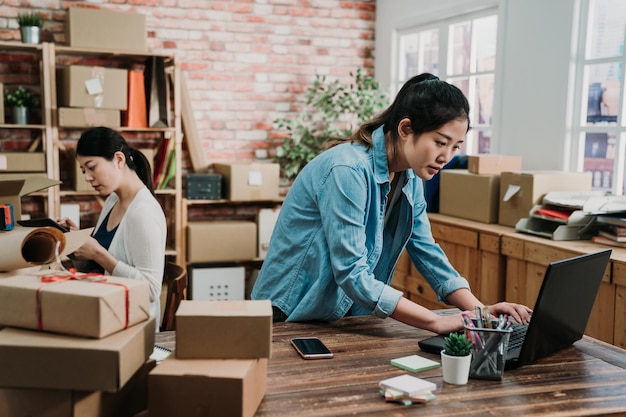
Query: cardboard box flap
x=25 y=186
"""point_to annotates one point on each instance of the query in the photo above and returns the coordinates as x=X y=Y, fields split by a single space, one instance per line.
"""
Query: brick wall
x=247 y=61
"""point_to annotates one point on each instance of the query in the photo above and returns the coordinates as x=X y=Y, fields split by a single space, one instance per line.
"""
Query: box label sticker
x=3 y=162
x=93 y=86
x=511 y=191
x=255 y=178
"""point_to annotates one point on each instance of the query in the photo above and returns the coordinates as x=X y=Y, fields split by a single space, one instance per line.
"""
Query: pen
x=479 y=316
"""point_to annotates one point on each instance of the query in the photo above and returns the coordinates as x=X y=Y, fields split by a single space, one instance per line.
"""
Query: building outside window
x=462 y=51
x=599 y=125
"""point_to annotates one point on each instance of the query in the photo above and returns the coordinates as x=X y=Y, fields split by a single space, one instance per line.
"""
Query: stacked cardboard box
x=474 y=193
x=219 y=365
x=74 y=347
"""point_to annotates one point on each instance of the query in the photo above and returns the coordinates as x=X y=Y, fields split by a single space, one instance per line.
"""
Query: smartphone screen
x=311 y=348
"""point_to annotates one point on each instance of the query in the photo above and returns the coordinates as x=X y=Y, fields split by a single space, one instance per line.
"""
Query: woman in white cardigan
x=129 y=237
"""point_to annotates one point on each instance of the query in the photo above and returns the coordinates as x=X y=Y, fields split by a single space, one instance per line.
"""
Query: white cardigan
x=139 y=243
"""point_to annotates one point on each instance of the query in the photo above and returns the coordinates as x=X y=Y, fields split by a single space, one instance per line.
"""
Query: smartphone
x=311 y=348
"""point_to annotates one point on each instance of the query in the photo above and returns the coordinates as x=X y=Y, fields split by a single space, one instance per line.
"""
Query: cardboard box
x=32 y=359
x=93 y=87
x=75 y=307
x=229 y=329
x=12 y=191
x=221 y=240
x=217 y=283
x=231 y=388
x=86 y=117
x=521 y=191
x=22 y=162
x=469 y=196
x=493 y=164
x=105 y=29
x=249 y=182
x=130 y=400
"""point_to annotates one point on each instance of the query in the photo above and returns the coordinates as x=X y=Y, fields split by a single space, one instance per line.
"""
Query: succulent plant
x=20 y=97
x=457 y=344
x=28 y=19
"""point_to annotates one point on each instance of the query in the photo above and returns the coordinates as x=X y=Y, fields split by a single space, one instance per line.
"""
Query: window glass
x=460 y=48
x=605 y=28
x=485 y=41
x=602 y=85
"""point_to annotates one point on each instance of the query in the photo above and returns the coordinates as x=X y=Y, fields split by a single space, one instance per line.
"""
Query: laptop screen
x=564 y=304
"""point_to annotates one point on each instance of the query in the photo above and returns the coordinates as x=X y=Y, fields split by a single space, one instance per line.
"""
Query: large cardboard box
x=106 y=29
x=95 y=87
x=228 y=329
x=32 y=359
x=12 y=190
x=521 y=191
x=22 y=162
x=183 y=387
x=88 y=116
x=249 y=181
x=32 y=402
x=77 y=307
x=469 y=196
x=221 y=240
x=493 y=164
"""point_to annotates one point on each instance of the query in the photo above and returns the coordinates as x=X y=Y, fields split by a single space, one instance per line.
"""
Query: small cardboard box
x=130 y=400
x=521 y=191
x=233 y=388
x=266 y=221
x=493 y=164
x=221 y=240
x=86 y=117
x=106 y=29
x=227 y=329
x=22 y=162
x=76 y=307
x=32 y=359
x=12 y=191
x=469 y=196
x=249 y=182
x=94 y=87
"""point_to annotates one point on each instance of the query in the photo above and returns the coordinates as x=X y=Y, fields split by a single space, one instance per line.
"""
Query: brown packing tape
x=39 y=246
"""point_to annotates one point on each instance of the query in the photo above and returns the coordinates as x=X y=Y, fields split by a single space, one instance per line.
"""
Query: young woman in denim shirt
x=353 y=209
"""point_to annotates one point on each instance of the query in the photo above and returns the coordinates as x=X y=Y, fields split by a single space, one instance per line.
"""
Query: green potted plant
x=456 y=358
x=332 y=109
x=21 y=100
x=30 y=27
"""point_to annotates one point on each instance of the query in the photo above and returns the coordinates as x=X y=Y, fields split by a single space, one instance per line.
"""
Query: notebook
x=561 y=310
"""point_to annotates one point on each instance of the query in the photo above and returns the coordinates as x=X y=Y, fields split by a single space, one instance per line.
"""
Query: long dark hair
x=104 y=142
x=426 y=101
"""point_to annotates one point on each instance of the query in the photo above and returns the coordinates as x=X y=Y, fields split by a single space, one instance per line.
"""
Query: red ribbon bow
x=89 y=277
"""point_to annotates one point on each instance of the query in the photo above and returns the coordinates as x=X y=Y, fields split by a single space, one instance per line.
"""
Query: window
x=461 y=51
x=599 y=127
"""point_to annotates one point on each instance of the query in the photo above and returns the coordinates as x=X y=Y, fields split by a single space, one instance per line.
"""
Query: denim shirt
x=331 y=252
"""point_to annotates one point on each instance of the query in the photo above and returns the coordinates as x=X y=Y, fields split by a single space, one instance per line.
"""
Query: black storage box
x=204 y=186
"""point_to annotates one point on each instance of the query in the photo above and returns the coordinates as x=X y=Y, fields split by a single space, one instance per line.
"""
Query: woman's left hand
x=519 y=312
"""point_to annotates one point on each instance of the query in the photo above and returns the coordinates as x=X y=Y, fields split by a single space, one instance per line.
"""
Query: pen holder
x=490 y=348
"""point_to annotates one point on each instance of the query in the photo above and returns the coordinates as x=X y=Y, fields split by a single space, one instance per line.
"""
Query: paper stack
x=407 y=390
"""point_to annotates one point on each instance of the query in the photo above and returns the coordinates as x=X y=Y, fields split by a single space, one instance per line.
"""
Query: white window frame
x=578 y=130
x=443 y=25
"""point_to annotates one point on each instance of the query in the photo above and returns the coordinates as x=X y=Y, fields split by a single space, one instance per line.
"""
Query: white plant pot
x=455 y=368
x=20 y=115
x=30 y=34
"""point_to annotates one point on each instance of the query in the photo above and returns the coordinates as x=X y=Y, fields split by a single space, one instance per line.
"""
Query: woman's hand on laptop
x=519 y=312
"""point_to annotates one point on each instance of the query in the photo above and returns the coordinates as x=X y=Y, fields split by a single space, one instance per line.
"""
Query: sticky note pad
x=415 y=363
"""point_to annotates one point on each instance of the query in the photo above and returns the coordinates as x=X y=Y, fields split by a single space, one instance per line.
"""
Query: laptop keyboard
x=517 y=335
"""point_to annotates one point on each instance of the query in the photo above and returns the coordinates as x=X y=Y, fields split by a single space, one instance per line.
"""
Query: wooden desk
x=587 y=379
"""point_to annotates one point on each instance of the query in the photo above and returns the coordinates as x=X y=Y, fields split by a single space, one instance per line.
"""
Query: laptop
x=561 y=310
